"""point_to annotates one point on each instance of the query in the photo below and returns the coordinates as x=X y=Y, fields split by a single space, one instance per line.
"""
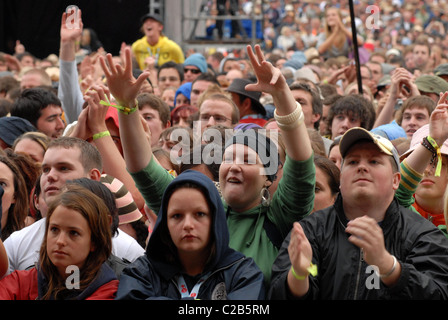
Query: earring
x=265 y=197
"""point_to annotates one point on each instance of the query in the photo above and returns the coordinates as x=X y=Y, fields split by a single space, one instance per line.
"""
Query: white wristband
x=391 y=270
x=291 y=120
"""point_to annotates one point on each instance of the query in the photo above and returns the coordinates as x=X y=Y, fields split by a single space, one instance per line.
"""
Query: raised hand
x=299 y=250
x=97 y=112
x=269 y=78
x=438 y=122
x=71 y=34
x=368 y=235
x=122 y=84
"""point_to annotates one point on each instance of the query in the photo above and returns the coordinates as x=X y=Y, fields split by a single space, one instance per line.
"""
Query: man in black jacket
x=365 y=246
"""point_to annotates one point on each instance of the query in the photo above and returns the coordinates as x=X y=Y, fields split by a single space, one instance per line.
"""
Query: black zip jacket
x=232 y=275
x=420 y=248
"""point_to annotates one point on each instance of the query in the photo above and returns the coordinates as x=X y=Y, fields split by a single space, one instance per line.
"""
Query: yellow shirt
x=165 y=50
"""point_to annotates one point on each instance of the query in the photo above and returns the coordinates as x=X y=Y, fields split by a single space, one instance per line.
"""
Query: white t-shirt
x=23 y=246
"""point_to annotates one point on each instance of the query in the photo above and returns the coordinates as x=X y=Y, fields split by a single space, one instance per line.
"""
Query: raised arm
x=113 y=162
x=400 y=78
x=288 y=112
x=419 y=159
x=124 y=88
x=150 y=178
x=69 y=91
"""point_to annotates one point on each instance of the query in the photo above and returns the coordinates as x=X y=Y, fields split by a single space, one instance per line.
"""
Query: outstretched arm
x=271 y=81
x=150 y=178
x=69 y=91
x=113 y=161
x=124 y=88
x=413 y=167
x=438 y=130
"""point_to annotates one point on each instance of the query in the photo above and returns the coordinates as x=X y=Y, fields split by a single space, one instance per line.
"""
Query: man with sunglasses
x=194 y=66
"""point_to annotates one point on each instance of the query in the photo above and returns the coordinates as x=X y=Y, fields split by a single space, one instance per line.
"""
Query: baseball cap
x=153 y=16
x=13 y=127
x=355 y=135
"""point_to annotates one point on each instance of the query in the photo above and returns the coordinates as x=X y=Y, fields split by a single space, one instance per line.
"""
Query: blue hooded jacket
x=154 y=275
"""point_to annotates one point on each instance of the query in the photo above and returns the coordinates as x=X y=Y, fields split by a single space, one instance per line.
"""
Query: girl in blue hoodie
x=188 y=255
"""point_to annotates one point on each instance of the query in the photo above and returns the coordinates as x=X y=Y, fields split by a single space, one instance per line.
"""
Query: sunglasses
x=194 y=71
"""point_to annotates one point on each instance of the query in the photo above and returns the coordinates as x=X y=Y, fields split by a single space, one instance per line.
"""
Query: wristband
x=125 y=110
x=439 y=155
x=430 y=144
x=100 y=135
x=290 y=121
x=312 y=269
x=391 y=270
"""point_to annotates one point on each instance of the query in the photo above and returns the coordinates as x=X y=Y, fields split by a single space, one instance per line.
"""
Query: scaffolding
x=192 y=37
x=156 y=6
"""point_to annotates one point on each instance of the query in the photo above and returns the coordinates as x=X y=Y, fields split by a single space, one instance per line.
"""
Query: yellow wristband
x=125 y=110
x=439 y=155
x=312 y=269
x=296 y=275
x=100 y=135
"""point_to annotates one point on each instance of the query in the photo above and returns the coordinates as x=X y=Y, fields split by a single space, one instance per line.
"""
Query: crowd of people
x=264 y=173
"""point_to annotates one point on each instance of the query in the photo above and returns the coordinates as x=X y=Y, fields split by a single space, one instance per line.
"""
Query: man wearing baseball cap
x=155 y=44
x=365 y=246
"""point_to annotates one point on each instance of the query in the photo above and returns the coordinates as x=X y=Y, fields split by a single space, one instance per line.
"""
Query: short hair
x=207 y=77
x=316 y=101
x=156 y=103
x=8 y=83
x=172 y=65
x=90 y=157
x=44 y=76
x=212 y=95
x=422 y=40
x=424 y=102
x=30 y=103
